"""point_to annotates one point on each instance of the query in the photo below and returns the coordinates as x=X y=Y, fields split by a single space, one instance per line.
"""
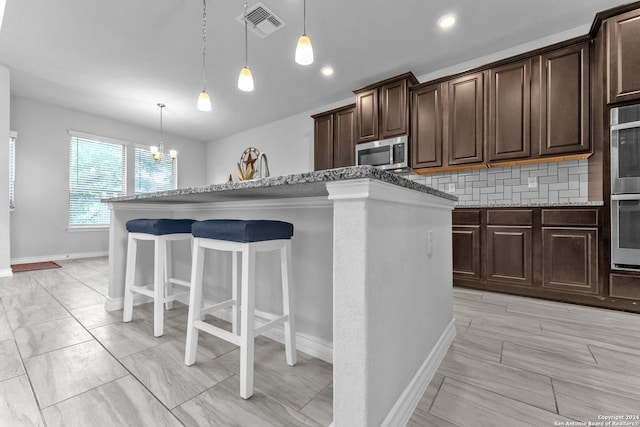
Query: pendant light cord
x=304 y=18
x=246 y=41
x=204 y=44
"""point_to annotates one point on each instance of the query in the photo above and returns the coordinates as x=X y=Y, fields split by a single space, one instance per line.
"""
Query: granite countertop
x=308 y=184
x=534 y=205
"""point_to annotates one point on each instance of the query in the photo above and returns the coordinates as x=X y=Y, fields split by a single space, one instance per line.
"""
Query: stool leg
x=235 y=312
x=247 y=322
x=158 y=287
x=287 y=304
x=132 y=248
x=168 y=274
x=195 y=302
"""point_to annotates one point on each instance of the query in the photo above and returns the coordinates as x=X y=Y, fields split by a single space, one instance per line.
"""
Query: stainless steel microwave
x=389 y=154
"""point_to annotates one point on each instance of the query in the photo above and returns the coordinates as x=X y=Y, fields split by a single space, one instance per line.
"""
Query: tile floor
x=65 y=361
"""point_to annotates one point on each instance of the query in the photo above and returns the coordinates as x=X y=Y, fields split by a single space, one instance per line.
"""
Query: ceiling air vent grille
x=261 y=20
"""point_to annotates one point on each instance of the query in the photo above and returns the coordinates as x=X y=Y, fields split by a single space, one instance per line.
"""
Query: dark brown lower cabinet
x=570 y=259
x=551 y=253
x=466 y=251
x=509 y=255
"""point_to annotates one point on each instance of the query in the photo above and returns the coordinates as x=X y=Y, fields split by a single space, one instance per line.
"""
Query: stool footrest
x=210 y=309
x=179 y=282
x=144 y=290
x=218 y=332
x=270 y=324
x=173 y=297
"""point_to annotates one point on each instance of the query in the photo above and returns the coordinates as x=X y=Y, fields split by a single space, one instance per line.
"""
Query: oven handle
x=625 y=197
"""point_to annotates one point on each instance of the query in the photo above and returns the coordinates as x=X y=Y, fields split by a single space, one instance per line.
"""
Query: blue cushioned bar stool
x=162 y=232
x=246 y=238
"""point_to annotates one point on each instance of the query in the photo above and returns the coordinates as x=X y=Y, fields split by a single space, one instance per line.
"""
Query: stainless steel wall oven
x=625 y=187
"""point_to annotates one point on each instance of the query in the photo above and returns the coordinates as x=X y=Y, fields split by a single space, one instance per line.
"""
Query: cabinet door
x=509 y=255
x=564 y=101
x=367 y=115
x=624 y=57
x=323 y=142
x=509 y=111
x=344 y=144
x=466 y=252
x=466 y=119
x=426 y=127
x=393 y=109
x=570 y=259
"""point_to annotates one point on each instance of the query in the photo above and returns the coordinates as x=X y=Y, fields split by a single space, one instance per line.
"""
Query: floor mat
x=19 y=268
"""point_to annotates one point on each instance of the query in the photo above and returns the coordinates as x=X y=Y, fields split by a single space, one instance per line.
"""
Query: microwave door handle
x=391 y=160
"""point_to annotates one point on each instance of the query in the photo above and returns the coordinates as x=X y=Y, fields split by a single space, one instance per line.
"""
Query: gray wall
x=39 y=223
x=5 y=264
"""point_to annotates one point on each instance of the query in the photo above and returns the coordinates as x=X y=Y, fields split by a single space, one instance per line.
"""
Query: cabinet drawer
x=510 y=217
x=575 y=217
x=623 y=286
x=466 y=217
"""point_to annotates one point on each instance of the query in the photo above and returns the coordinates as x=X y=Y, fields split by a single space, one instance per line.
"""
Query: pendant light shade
x=204 y=103
x=304 y=50
x=245 y=80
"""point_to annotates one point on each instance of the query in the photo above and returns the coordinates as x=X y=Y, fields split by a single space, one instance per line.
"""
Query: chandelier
x=157 y=152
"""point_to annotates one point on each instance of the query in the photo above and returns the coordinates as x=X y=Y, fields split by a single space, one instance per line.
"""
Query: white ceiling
x=119 y=58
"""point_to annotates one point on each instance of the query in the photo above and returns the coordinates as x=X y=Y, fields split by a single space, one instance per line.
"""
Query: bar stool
x=246 y=238
x=162 y=232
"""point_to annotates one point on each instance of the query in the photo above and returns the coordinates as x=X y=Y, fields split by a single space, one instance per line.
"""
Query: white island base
x=372 y=276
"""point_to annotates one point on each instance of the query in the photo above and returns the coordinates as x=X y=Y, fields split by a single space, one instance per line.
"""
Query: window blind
x=151 y=175
x=97 y=170
x=12 y=169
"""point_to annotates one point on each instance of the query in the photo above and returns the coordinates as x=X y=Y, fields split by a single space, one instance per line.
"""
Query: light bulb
x=245 y=80
x=304 y=51
x=173 y=154
x=204 y=103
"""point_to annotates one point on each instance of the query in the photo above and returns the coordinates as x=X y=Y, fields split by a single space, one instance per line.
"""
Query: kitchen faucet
x=263 y=166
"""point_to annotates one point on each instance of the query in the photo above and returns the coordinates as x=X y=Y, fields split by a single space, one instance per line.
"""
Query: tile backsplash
x=558 y=182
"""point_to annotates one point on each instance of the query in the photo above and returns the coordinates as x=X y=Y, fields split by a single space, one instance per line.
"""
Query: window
x=12 y=168
x=151 y=175
x=97 y=170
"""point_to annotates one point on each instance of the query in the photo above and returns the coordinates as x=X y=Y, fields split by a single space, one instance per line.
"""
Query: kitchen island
x=372 y=274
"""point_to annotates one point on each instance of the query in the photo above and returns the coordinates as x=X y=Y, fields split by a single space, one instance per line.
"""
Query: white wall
x=5 y=248
x=39 y=223
x=288 y=144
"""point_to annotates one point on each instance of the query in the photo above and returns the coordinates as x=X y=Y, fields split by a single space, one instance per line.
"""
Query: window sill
x=77 y=228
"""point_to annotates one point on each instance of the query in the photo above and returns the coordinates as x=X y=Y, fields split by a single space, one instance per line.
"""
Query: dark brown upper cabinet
x=334 y=138
x=466 y=119
x=426 y=127
x=510 y=111
x=624 y=57
x=564 y=101
x=367 y=115
x=382 y=109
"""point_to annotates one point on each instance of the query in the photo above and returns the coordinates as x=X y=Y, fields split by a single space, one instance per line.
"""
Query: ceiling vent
x=261 y=20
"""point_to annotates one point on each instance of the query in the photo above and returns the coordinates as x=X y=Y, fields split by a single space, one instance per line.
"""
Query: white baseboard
x=6 y=272
x=59 y=257
x=310 y=345
x=410 y=397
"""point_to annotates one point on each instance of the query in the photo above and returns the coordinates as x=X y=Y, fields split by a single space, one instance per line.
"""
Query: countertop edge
x=329 y=175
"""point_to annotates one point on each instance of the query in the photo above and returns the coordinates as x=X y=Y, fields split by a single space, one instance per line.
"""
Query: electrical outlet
x=533 y=182
x=451 y=188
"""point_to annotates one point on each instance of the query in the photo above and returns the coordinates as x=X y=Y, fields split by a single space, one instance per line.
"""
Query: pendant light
x=304 y=50
x=204 y=103
x=157 y=152
x=245 y=79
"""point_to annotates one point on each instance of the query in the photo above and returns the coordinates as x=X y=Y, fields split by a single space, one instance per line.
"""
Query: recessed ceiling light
x=327 y=71
x=447 y=21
